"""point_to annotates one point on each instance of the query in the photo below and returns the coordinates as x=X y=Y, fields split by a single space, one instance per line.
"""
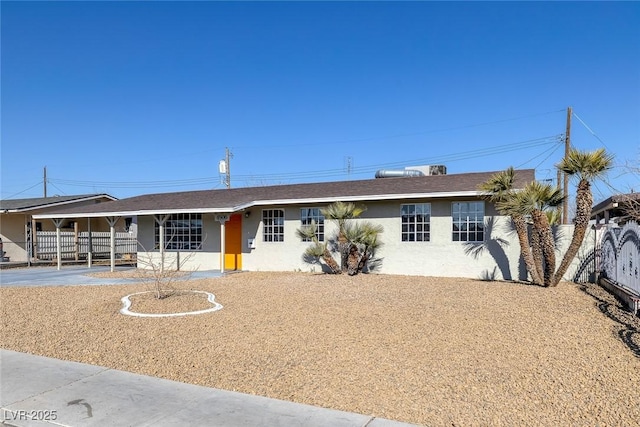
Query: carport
x=58 y=221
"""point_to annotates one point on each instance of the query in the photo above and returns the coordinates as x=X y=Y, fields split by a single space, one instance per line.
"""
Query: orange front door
x=233 y=243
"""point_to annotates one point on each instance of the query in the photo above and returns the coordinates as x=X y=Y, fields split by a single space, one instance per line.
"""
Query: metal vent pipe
x=386 y=173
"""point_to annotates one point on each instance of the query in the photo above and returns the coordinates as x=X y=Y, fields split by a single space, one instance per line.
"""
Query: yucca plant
x=534 y=201
x=318 y=250
x=363 y=238
x=341 y=212
x=500 y=189
x=587 y=166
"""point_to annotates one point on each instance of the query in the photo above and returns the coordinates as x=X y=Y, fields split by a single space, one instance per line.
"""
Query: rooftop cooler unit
x=411 y=171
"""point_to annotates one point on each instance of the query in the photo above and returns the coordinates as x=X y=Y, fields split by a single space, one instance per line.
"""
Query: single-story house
x=435 y=225
x=19 y=229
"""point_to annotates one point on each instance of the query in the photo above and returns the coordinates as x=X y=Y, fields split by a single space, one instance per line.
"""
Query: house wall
x=206 y=259
x=496 y=258
x=12 y=232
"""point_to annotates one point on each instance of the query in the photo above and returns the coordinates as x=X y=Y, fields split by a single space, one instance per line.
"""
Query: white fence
x=76 y=247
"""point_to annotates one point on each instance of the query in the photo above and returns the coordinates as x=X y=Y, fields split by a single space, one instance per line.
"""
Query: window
x=273 y=225
x=468 y=221
x=416 y=222
x=309 y=215
x=181 y=232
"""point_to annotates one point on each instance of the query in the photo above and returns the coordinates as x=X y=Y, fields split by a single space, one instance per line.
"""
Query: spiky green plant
x=500 y=189
x=317 y=250
x=535 y=200
x=587 y=166
x=341 y=212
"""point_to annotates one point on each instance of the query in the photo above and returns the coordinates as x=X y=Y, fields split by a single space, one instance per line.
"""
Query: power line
x=326 y=173
x=590 y=131
x=24 y=191
x=137 y=184
x=402 y=135
x=448 y=158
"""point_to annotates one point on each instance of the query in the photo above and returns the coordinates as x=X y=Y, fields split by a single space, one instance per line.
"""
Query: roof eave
x=244 y=206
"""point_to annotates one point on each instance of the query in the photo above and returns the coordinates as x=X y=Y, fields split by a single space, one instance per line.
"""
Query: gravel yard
x=425 y=350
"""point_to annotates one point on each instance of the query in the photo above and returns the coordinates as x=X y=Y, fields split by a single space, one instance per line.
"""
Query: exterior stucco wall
x=206 y=259
x=498 y=257
x=12 y=232
x=438 y=257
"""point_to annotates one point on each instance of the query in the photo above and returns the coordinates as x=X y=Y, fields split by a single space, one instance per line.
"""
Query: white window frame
x=415 y=219
x=312 y=214
x=182 y=232
x=467 y=220
x=273 y=225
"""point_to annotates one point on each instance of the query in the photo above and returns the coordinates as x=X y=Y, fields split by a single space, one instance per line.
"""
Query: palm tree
x=363 y=238
x=500 y=189
x=318 y=250
x=535 y=200
x=587 y=166
x=341 y=212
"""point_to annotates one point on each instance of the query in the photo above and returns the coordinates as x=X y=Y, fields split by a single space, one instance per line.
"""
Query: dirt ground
x=424 y=350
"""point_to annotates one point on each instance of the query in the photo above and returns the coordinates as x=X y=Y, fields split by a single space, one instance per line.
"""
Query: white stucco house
x=435 y=225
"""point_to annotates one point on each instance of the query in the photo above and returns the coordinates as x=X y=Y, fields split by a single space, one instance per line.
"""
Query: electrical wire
x=138 y=184
x=590 y=131
x=448 y=158
x=326 y=173
x=551 y=151
x=24 y=191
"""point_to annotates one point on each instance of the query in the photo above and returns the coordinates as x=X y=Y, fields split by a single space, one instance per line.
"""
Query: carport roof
x=37 y=203
x=238 y=199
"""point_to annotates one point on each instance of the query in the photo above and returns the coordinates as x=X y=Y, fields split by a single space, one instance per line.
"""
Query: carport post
x=222 y=219
x=112 y=220
x=161 y=244
x=58 y=223
x=89 y=244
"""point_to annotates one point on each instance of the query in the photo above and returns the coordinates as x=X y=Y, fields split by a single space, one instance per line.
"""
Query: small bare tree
x=161 y=273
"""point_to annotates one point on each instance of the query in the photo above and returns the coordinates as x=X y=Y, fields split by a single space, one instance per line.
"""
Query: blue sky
x=130 y=98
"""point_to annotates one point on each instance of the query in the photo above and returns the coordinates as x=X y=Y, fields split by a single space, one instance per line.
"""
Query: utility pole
x=567 y=145
x=44 y=181
x=225 y=167
x=348 y=165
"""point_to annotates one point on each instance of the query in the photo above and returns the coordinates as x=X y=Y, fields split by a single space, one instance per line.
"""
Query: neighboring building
x=17 y=224
x=617 y=209
x=436 y=225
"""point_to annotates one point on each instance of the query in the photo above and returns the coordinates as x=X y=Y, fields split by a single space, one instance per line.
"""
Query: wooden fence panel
x=126 y=245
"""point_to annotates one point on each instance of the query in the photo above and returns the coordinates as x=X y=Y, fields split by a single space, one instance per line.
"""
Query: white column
x=222 y=219
x=89 y=244
x=112 y=220
x=58 y=223
x=161 y=221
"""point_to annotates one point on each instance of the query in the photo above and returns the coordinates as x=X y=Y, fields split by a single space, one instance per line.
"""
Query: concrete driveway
x=72 y=275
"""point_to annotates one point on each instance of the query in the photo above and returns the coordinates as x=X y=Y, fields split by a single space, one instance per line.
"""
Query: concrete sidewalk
x=76 y=394
x=74 y=275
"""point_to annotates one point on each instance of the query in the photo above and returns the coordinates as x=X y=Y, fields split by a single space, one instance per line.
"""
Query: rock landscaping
x=424 y=350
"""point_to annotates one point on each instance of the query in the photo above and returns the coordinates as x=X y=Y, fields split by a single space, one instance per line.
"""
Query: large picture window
x=309 y=215
x=416 y=222
x=273 y=225
x=181 y=232
x=468 y=221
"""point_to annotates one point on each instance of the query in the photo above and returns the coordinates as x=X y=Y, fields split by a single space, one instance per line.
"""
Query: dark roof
x=21 y=205
x=230 y=200
x=617 y=205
